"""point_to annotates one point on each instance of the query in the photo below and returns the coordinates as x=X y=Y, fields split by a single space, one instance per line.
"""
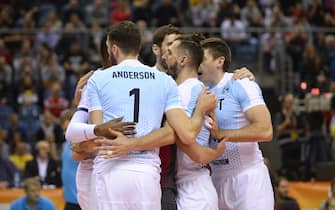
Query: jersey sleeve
x=93 y=95
x=173 y=98
x=248 y=93
x=194 y=94
x=78 y=130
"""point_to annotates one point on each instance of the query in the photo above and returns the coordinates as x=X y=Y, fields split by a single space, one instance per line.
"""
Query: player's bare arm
x=188 y=129
x=259 y=129
x=202 y=154
x=80 y=85
x=121 y=145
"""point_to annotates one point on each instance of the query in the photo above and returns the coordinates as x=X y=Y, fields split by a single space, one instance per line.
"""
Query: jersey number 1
x=136 y=92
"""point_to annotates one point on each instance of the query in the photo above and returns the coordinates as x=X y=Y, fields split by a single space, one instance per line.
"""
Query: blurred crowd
x=45 y=46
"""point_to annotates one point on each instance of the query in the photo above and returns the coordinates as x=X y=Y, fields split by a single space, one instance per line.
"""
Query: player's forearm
x=78 y=132
x=96 y=117
x=158 y=138
x=79 y=156
x=198 y=153
x=252 y=133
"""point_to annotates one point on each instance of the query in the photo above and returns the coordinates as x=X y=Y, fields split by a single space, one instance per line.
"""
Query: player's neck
x=186 y=73
x=217 y=79
x=160 y=67
x=126 y=57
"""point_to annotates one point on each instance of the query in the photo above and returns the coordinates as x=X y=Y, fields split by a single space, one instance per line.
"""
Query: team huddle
x=180 y=135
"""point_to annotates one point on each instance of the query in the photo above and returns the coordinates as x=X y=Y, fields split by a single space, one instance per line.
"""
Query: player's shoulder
x=245 y=83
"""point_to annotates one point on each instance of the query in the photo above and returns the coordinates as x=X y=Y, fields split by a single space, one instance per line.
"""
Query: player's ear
x=220 y=61
x=156 y=49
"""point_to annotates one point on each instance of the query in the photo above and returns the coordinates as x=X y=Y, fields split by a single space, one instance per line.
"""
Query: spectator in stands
x=72 y=7
x=55 y=103
x=5 y=111
x=4 y=148
x=32 y=200
x=286 y=120
x=47 y=35
x=276 y=18
x=54 y=148
x=5 y=77
x=202 y=12
x=7 y=174
x=233 y=30
x=331 y=200
x=16 y=126
x=51 y=72
x=121 y=12
x=141 y=11
x=75 y=64
x=282 y=199
x=250 y=14
x=271 y=42
x=48 y=125
x=97 y=12
x=21 y=157
x=45 y=167
x=165 y=14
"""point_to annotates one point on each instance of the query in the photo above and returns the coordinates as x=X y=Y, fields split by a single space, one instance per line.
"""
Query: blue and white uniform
x=194 y=185
x=140 y=94
x=240 y=175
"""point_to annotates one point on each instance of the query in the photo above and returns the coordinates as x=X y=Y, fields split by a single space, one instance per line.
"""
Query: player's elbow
x=267 y=133
x=200 y=159
x=187 y=138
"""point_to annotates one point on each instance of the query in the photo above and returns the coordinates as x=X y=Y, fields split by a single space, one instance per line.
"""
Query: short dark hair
x=194 y=50
x=280 y=179
x=195 y=37
x=218 y=47
x=163 y=31
x=103 y=49
x=126 y=36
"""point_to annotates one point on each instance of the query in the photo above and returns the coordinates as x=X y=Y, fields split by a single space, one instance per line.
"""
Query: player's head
x=183 y=54
x=195 y=37
x=162 y=38
x=282 y=187
x=106 y=60
x=32 y=187
x=123 y=39
x=217 y=59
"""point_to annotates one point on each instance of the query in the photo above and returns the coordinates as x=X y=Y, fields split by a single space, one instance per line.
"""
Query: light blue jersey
x=137 y=92
x=235 y=98
x=187 y=169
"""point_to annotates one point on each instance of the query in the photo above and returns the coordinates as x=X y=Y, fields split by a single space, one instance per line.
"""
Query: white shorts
x=83 y=182
x=126 y=188
x=249 y=189
x=198 y=193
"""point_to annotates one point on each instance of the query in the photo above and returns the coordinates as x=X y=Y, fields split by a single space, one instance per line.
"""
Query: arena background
x=45 y=46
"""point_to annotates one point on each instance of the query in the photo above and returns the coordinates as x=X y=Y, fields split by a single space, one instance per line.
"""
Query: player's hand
x=117 y=147
x=207 y=101
x=84 y=147
x=243 y=73
x=213 y=125
x=221 y=147
x=79 y=88
x=127 y=128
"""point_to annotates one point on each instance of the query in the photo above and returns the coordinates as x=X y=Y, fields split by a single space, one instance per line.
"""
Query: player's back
x=137 y=92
